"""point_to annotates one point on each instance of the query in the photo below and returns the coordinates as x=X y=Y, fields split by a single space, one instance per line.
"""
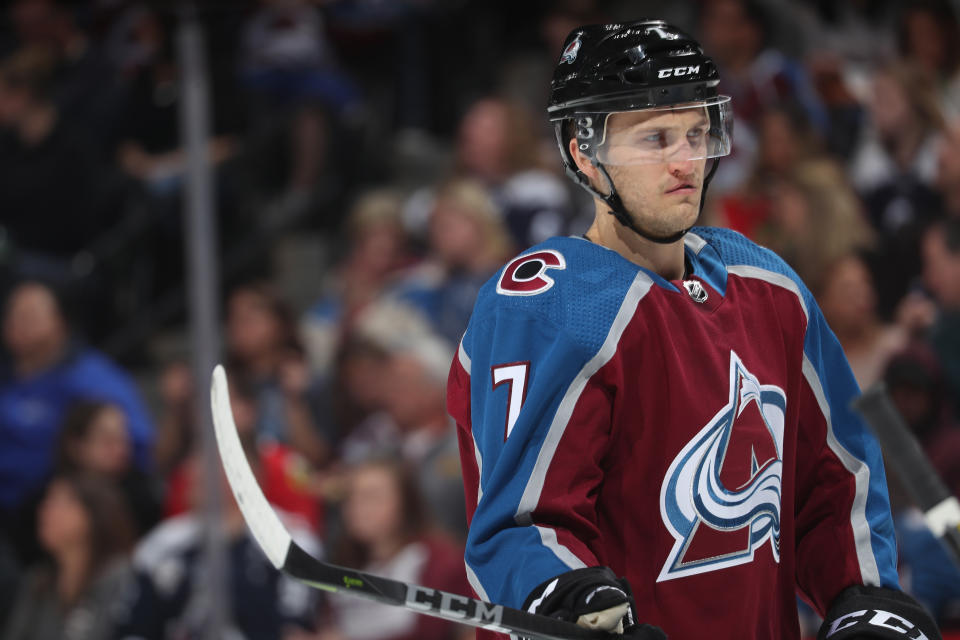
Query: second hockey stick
x=289 y=557
x=941 y=510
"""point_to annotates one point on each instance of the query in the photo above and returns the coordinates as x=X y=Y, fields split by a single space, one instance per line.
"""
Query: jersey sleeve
x=845 y=533
x=533 y=424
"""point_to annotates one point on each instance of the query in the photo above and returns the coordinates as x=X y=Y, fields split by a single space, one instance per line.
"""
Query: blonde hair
x=521 y=146
x=472 y=199
x=398 y=328
x=374 y=208
x=920 y=91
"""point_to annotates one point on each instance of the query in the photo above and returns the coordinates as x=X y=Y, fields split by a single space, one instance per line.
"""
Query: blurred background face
x=778 y=143
x=948 y=170
x=106 y=447
x=32 y=322
x=789 y=209
x=483 y=140
x=34 y=20
x=244 y=413
x=252 y=328
x=848 y=299
x=454 y=233
x=410 y=396
x=377 y=248
x=941 y=270
x=62 y=522
x=362 y=376
x=889 y=109
x=728 y=32
x=372 y=510
x=14 y=103
x=914 y=402
x=925 y=40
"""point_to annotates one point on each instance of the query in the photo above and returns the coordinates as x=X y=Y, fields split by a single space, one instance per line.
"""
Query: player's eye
x=697 y=137
x=654 y=140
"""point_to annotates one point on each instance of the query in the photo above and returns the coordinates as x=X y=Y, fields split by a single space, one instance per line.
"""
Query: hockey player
x=665 y=402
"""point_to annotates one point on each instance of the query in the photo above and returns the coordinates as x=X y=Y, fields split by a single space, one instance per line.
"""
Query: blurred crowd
x=406 y=143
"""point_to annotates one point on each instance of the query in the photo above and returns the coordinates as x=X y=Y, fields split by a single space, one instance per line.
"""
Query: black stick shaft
x=427 y=601
x=911 y=464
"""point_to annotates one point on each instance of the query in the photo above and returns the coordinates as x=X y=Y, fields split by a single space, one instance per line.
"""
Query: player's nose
x=681 y=169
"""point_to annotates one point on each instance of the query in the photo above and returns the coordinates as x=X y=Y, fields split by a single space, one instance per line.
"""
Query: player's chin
x=683 y=215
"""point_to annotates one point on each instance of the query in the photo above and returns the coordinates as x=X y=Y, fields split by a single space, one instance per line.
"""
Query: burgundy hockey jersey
x=694 y=436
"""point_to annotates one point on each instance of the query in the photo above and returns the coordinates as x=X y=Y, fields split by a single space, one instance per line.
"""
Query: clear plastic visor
x=677 y=133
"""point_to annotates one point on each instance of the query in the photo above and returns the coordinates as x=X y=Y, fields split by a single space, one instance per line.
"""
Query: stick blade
x=260 y=517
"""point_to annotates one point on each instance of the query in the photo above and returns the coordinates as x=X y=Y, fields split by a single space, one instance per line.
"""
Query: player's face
x=663 y=195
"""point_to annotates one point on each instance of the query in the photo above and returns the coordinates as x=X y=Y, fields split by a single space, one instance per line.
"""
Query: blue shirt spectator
x=47 y=373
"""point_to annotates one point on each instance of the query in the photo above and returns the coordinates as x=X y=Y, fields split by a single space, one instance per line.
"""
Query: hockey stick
x=941 y=510
x=290 y=558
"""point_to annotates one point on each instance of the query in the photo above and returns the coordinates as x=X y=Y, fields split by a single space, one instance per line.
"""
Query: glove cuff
x=877 y=613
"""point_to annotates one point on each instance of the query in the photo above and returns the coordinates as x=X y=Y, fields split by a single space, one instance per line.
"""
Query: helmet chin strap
x=619 y=211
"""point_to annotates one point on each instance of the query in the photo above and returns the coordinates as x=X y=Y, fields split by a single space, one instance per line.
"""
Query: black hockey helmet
x=642 y=65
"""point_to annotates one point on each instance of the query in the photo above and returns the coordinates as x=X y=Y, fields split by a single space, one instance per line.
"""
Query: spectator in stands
x=847 y=296
x=894 y=169
x=286 y=478
x=264 y=349
x=914 y=379
x=413 y=396
x=84 y=526
x=861 y=33
x=905 y=124
x=376 y=251
x=755 y=73
x=149 y=149
x=352 y=399
x=176 y=420
x=941 y=274
x=467 y=244
x=50 y=369
x=928 y=37
x=797 y=201
x=814 y=219
x=56 y=192
x=387 y=533
x=85 y=87
x=170 y=601
x=948 y=171
x=288 y=69
x=497 y=145
x=95 y=438
x=845 y=113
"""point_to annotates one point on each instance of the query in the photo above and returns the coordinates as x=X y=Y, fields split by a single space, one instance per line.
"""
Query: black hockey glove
x=593 y=598
x=877 y=613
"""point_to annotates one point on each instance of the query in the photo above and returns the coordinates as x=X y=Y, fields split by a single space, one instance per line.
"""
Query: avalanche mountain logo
x=570 y=53
x=720 y=499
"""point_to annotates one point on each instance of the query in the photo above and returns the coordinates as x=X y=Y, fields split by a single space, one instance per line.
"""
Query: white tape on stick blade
x=263 y=521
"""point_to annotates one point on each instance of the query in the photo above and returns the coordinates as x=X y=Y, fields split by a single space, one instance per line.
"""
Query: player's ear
x=583 y=162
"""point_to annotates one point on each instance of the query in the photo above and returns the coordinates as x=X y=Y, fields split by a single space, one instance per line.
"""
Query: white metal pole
x=199 y=211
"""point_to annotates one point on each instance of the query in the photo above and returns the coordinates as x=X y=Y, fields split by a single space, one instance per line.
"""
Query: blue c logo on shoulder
x=526 y=275
x=720 y=499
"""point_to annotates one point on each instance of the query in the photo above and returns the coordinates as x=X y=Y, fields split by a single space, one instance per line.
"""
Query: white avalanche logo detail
x=720 y=499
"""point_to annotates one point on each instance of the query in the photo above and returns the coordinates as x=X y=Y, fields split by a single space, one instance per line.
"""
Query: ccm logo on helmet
x=678 y=71
x=526 y=275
